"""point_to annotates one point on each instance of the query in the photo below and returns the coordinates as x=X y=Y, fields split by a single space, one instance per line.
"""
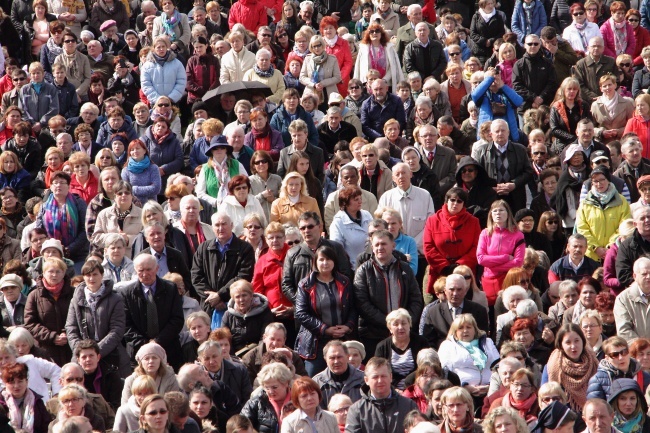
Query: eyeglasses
x=19 y=79
x=456 y=200
x=539 y=153
x=374 y=31
x=577 y=14
x=307 y=227
x=468 y=170
x=69 y=41
x=354 y=88
x=253 y=227
x=121 y=193
x=317 y=45
x=553 y=222
x=520 y=385
x=622 y=352
x=342 y=410
x=633 y=20
x=283 y=35
x=164 y=105
x=260 y=162
x=532 y=44
x=454 y=54
x=291 y=243
x=71 y=400
x=241 y=188
x=266 y=35
x=551 y=398
x=626 y=65
x=156 y=412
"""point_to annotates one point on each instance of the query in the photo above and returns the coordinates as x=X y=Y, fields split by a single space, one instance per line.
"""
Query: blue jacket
x=169 y=79
x=519 y=20
x=483 y=98
x=146 y=185
x=281 y=121
x=645 y=14
x=168 y=155
x=600 y=383
x=406 y=244
x=105 y=133
x=68 y=102
x=17 y=181
x=197 y=154
x=374 y=116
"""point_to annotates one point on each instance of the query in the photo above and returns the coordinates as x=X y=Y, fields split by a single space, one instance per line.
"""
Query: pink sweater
x=494 y=251
x=608 y=36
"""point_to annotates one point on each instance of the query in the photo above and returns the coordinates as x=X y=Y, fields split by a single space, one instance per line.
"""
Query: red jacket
x=6 y=84
x=429 y=11
x=450 y=239
x=640 y=127
x=268 y=276
x=250 y=13
x=86 y=193
x=417 y=395
x=202 y=75
x=642 y=37
x=341 y=50
x=276 y=5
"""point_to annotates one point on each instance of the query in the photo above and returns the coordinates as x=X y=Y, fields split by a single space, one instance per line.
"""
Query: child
x=385 y=15
x=439 y=290
x=415 y=81
x=364 y=22
x=371 y=76
x=568 y=298
x=404 y=93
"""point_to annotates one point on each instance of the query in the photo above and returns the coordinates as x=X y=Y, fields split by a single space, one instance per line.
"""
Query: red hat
x=293 y=56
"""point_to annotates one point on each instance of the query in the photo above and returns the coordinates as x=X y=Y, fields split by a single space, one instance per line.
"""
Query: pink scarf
x=55 y=290
x=620 y=36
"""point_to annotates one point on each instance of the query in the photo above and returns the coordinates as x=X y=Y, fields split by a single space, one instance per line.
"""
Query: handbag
x=498 y=107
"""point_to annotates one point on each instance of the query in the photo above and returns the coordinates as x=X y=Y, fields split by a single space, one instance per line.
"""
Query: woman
x=292 y=72
x=236 y=62
x=105 y=158
x=356 y=96
x=592 y=326
x=566 y=111
x=458 y=411
x=403 y=242
x=425 y=374
x=572 y=364
x=9 y=247
x=71 y=14
x=201 y=404
x=611 y=111
x=12 y=211
x=152 y=362
x=165 y=108
x=154 y=415
x=548 y=180
x=127 y=416
x=630 y=406
x=469 y=353
x=12 y=305
x=500 y=247
x=618 y=34
x=76 y=64
x=141 y=173
x=488 y=25
x=451 y=237
x=74 y=401
x=164 y=148
x=529 y=17
x=162 y=73
x=25 y=408
x=641 y=80
x=306 y=396
x=625 y=230
x=567 y=194
x=264 y=72
x=239 y=202
x=549 y=225
x=291 y=110
x=507 y=59
x=267 y=408
x=202 y=71
x=83 y=182
x=600 y=214
x=247 y=316
x=212 y=182
x=174 y=194
x=581 y=30
x=339 y=48
x=508 y=299
x=46 y=310
x=339 y=405
x=640 y=123
x=300 y=162
x=104 y=198
x=175 y=26
x=521 y=397
x=640 y=350
x=89 y=114
x=63 y=215
x=12 y=116
x=456 y=88
x=376 y=52
x=294 y=200
x=350 y=224
x=262 y=137
x=96 y=90
x=425 y=113
x=505 y=419
x=36 y=31
x=115 y=123
x=320 y=72
x=265 y=184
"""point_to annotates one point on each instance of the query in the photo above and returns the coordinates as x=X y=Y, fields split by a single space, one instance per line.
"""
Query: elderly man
x=635 y=246
x=349 y=176
x=219 y=263
x=424 y=55
x=630 y=307
x=440 y=159
x=633 y=167
x=76 y=424
x=590 y=69
x=508 y=163
x=339 y=377
x=100 y=61
x=72 y=373
x=306 y=15
x=599 y=416
x=585 y=132
x=154 y=311
x=148 y=8
x=381 y=285
x=334 y=130
x=274 y=339
x=439 y=317
x=233 y=374
x=64 y=142
x=379 y=108
x=223 y=397
x=39 y=100
x=574 y=265
x=406 y=33
x=336 y=100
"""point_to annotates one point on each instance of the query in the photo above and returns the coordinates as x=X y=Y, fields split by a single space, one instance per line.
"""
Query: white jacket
x=234 y=66
x=415 y=210
x=394 y=72
x=237 y=212
x=39 y=370
x=457 y=359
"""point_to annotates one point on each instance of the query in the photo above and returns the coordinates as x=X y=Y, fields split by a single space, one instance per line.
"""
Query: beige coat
x=331 y=76
x=235 y=65
x=107 y=224
x=632 y=314
x=77 y=70
x=283 y=211
x=296 y=422
x=623 y=112
x=275 y=82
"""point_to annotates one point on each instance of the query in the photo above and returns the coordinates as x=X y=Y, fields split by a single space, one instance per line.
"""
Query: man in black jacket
x=533 y=77
x=424 y=55
x=334 y=130
x=98 y=377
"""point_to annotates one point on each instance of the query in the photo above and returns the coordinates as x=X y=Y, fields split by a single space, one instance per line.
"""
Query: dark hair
x=330 y=254
x=84 y=345
x=237 y=181
x=90 y=266
x=293 y=165
x=589 y=281
x=200 y=389
x=458 y=192
x=61 y=175
x=310 y=215
x=347 y=194
x=15 y=266
x=564 y=330
x=273 y=356
x=605 y=301
x=259 y=154
x=22 y=128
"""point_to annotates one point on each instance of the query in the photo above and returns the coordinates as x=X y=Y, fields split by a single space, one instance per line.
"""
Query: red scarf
x=199 y=234
x=160 y=138
x=49 y=172
x=55 y=290
x=525 y=408
x=455 y=221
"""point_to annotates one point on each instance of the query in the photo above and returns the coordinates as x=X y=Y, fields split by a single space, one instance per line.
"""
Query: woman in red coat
x=641 y=35
x=250 y=13
x=640 y=123
x=202 y=71
x=451 y=237
x=339 y=48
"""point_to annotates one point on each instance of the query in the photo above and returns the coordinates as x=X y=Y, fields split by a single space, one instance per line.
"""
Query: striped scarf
x=61 y=222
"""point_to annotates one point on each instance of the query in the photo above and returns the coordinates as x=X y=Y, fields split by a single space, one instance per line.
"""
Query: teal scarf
x=631 y=425
x=605 y=197
x=478 y=356
x=138 y=167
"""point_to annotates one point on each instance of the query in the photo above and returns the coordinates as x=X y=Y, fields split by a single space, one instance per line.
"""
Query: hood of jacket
x=614 y=373
x=620 y=386
x=260 y=303
x=482 y=177
x=151 y=58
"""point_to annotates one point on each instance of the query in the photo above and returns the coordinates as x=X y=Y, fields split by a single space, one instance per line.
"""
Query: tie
x=636 y=173
x=454 y=312
x=152 y=315
x=430 y=157
x=158 y=256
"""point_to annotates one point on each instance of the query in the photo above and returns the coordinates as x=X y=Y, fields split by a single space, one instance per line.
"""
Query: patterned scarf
x=264 y=74
x=378 y=59
x=61 y=222
x=581 y=31
x=632 y=425
x=168 y=24
x=319 y=61
x=93 y=300
x=528 y=11
x=574 y=376
x=301 y=54
x=53 y=50
x=25 y=421
x=620 y=35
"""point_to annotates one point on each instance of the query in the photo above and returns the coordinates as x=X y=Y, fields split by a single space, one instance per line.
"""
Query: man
x=334 y=130
x=379 y=108
x=169 y=259
x=39 y=100
x=298 y=262
x=533 y=77
x=225 y=110
x=76 y=424
x=274 y=338
x=635 y=246
x=633 y=166
x=440 y=159
x=381 y=285
x=233 y=374
x=223 y=398
x=551 y=296
x=406 y=33
x=615 y=154
x=339 y=377
x=462 y=143
x=381 y=408
x=306 y=15
x=148 y=8
x=630 y=307
x=64 y=142
x=336 y=100
x=559 y=52
x=414 y=204
x=264 y=37
x=98 y=377
x=349 y=176
x=585 y=132
x=575 y=265
x=589 y=70
x=201 y=17
x=219 y=263
x=508 y=163
x=298 y=131
x=374 y=175
x=599 y=417
x=179 y=410
x=154 y=311
x=439 y=317
x=72 y=373
x=424 y=55
x=423 y=177
x=99 y=61
x=19 y=79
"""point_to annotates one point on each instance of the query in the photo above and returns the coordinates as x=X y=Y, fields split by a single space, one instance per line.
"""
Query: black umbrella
x=241 y=89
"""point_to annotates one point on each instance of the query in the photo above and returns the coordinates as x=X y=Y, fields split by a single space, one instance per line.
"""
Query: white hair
x=455 y=277
x=262 y=51
x=512 y=291
x=306 y=4
x=412 y=9
x=496 y=122
x=220 y=215
x=527 y=308
x=189 y=198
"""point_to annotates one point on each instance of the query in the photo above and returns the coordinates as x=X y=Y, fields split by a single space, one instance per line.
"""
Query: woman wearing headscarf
x=567 y=194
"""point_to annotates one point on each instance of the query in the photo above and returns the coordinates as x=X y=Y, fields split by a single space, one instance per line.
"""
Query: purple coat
x=277 y=144
x=608 y=36
x=146 y=185
x=609 y=269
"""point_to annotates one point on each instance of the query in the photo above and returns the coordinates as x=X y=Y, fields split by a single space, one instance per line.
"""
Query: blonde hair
x=198 y=315
x=458 y=393
x=518 y=421
x=285 y=182
x=462 y=320
x=143 y=384
x=511 y=225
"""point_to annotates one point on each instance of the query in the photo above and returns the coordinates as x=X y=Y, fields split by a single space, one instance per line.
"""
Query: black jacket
x=235 y=376
x=107 y=380
x=438 y=320
x=630 y=249
x=426 y=179
x=640 y=81
x=482 y=32
x=370 y=415
x=31 y=159
x=174 y=238
x=481 y=195
x=169 y=306
x=261 y=413
x=534 y=76
x=429 y=61
x=560 y=129
x=176 y=263
x=626 y=172
x=327 y=138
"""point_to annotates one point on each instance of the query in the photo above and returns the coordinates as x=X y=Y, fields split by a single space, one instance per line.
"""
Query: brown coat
x=10 y=249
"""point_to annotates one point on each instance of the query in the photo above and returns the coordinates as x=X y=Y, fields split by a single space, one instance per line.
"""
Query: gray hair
x=496 y=122
x=427 y=355
x=21 y=335
x=62 y=136
x=457 y=278
x=571 y=285
x=423 y=100
x=209 y=344
x=189 y=199
x=527 y=308
x=637 y=265
x=151 y=225
x=114 y=238
x=220 y=215
x=275 y=371
x=307 y=5
x=144 y=258
x=399 y=314
x=511 y=291
x=262 y=51
x=275 y=326
x=510 y=362
x=412 y=9
x=7 y=347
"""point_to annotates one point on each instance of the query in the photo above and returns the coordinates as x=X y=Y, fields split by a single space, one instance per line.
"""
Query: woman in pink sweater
x=501 y=246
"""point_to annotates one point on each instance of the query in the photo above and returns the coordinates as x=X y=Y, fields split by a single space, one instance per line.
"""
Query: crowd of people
x=324 y=216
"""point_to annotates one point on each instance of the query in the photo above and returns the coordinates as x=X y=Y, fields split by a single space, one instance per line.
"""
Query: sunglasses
x=375 y=31
x=20 y=79
x=633 y=20
x=291 y=243
x=253 y=227
x=577 y=14
x=455 y=200
x=468 y=170
x=121 y=193
x=69 y=41
x=532 y=44
x=260 y=162
x=454 y=54
x=317 y=45
x=467 y=277
x=622 y=352
x=354 y=88
x=553 y=222
x=626 y=65
x=283 y=35
x=539 y=153
x=156 y=412
x=266 y=35
x=307 y=227
x=164 y=105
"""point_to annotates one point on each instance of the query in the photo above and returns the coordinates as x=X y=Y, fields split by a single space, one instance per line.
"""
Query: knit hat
x=353 y=344
x=199 y=105
x=107 y=25
x=551 y=417
x=151 y=349
x=52 y=243
x=11 y=280
x=601 y=169
x=523 y=213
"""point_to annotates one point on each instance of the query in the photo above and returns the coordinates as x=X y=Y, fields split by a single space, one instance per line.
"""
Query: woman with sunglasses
x=625 y=74
x=377 y=52
x=549 y=226
x=77 y=65
x=320 y=71
x=581 y=30
x=154 y=416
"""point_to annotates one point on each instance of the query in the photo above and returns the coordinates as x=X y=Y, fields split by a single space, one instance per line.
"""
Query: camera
x=497 y=68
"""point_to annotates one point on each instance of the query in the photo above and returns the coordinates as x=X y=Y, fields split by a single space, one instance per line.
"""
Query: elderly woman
x=236 y=62
x=141 y=173
x=600 y=214
x=266 y=408
x=617 y=33
x=611 y=111
x=350 y=224
x=195 y=231
x=46 y=310
x=566 y=111
x=115 y=123
x=320 y=71
x=152 y=362
x=641 y=80
x=74 y=401
x=592 y=326
x=339 y=405
x=580 y=31
x=174 y=237
x=164 y=148
x=24 y=407
x=505 y=419
x=458 y=410
x=247 y=316
x=510 y=296
x=377 y=52
x=265 y=73
x=127 y=417
x=83 y=182
x=77 y=65
x=162 y=73
x=522 y=396
x=117 y=267
x=425 y=113
x=265 y=184
x=212 y=182
x=240 y=202
x=294 y=200
x=253 y=232
x=306 y=395
x=450 y=236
